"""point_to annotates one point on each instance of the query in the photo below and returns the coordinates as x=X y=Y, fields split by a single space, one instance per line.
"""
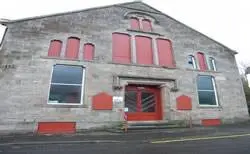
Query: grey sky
x=227 y=21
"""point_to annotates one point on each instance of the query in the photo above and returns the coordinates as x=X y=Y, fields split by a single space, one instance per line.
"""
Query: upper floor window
x=134 y=23
x=146 y=25
x=211 y=64
x=66 y=85
x=55 y=48
x=2 y=33
x=88 y=51
x=207 y=90
x=192 y=61
x=141 y=24
x=202 y=61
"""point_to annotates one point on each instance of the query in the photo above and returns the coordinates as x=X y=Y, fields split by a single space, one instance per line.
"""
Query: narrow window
x=207 y=91
x=121 y=48
x=134 y=24
x=192 y=61
x=66 y=85
x=144 y=53
x=55 y=48
x=211 y=64
x=165 y=52
x=72 y=48
x=202 y=61
x=146 y=25
x=3 y=30
x=89 y=50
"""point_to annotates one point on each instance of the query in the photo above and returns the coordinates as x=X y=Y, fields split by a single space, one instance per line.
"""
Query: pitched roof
x=124 y=5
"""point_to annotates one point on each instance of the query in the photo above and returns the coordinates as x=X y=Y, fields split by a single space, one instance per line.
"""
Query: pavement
x=227 y=139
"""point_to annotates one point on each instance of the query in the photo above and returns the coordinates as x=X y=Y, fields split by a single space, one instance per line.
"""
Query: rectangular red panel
x=165 y=53
x=134 y=23
x=202 y=61
x=56 y=127
x=121 y=48
x=144 y=52
x=146 y=25
x=211 y=122
x=55 y=48
x=72 y=48
x=88 y=53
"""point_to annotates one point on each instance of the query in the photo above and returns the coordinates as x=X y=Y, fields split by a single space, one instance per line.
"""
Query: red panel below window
x=121 y=48
x=56 y=127
x=55 y=48
x=72 y=49
x=202 y=61
x=88 y=53
x=146 y=25
x=144 y=52
x=165 y=53
x=102 y=101
x=134 y=24
x=211 y=122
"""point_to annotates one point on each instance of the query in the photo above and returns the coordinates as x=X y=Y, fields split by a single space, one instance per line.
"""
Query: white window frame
x=213 y=63
x=82 y=88
x=215 y=93
x=194 y=64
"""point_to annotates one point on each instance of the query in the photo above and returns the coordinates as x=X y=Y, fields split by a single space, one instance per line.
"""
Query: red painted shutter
x=202 y=61
x=144 y=52
x=88 y=53
x=121 y=48
x=165 y=52
x=146 y=24
x=55 y=48
x=72 y=48
x=134 y=23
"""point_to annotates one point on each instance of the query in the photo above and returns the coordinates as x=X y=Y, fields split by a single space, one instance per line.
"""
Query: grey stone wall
x=24 y=89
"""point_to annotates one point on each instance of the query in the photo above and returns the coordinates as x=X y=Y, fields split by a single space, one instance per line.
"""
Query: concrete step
x=143 y=125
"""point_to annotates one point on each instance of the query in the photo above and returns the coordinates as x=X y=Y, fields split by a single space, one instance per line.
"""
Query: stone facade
x=25 y=87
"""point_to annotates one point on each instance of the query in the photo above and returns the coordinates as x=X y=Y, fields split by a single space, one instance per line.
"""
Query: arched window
x=72 y=49
x=202 y=61
x=89 y=51
x=211 y=64
x=55 y=48
x=134 y=23
x=192 y=61
x=165 y=53
x=146 y=25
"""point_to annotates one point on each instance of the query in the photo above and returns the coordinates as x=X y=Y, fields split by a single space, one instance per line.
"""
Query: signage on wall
x=117 y=99
x=7 y=66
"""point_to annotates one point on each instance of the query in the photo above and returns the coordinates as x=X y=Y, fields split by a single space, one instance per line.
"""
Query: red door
x=143 y=103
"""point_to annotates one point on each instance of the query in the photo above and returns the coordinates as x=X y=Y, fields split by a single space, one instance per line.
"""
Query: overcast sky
x=227 y=21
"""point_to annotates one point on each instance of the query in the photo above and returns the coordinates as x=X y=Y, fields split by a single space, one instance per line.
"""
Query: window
x=146 y=25
x=121 y=48
x=66 y=85
x=72 y=48
x=88 y=53
x=3 y=30
x=55 y=48
x=202 y=61
x=165 y=53
x=134 y=23
x=207 y=91
x=192 y=61
x=144 y=51
x=211 y=64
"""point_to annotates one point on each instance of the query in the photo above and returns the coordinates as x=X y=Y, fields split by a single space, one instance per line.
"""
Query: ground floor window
x=66 y=85
x=207 y=90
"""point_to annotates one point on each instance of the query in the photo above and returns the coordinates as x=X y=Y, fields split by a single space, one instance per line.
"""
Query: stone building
x=82 y=69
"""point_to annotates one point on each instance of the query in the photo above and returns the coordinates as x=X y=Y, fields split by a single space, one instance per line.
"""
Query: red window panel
x=165 y=52
x=202 y=61
x=72 y=48
x=55 y=48
x=146 y=25
x=144 y=52
x=134 y=23
x=121 y=48
x=88 y=53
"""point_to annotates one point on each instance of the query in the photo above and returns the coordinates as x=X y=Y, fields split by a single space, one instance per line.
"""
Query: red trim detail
x=134 y=23
x=146 y=25
x=55 y=48
x=144 y=51
x=202 y=61
x=211 y=122
x=56 y=127
x=88 y=53
x=102 y=101
x=165 y=52
x=183 y=103
x=121 y=48
x=72 y=49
